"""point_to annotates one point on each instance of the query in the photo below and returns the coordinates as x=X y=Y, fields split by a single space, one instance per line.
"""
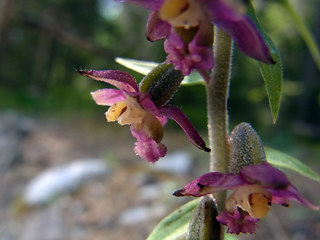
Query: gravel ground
x=127 y=203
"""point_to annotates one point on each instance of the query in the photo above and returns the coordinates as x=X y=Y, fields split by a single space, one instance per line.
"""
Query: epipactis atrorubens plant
x=198 y=36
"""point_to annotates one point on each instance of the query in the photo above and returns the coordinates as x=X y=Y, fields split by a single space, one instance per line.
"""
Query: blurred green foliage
x=42 y=43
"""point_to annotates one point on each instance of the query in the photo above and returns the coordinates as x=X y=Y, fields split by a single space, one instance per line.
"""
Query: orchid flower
x=255 y=189
x=128 y=106
x=187 y=27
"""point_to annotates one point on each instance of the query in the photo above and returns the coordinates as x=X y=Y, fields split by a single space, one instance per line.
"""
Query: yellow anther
x=172 y=8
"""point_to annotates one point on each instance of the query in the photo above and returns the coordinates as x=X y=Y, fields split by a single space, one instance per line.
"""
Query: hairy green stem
x=217 y=95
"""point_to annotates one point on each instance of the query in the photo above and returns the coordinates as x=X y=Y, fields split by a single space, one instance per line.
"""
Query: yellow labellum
x=252 y=199
x=129 y=112
x=259 y=205
x=115 y=111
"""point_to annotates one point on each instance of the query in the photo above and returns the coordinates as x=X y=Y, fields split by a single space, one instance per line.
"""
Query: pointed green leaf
x=192 y=79
x=144 y=67
x=280 y=159
x=271 y=73
x=175 y=225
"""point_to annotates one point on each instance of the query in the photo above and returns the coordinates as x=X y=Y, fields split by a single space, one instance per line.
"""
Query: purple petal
x=204 y=54
x=265 y=175
x=201 y=47
x=176 y=48
x=242 y=30
x=238 y=223
x=291 y=193
x=162 y=120
x=156 y=28
x=148 y=4
x=194 y=55
x=178 y=116
x=148 y=148
x=146 y=103
x=210 y=183
x=119 y=79
x=107 y=96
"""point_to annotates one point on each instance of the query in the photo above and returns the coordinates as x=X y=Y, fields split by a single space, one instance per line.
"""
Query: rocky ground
x=125 y=200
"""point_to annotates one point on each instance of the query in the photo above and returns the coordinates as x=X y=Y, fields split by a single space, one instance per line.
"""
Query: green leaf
x=271 y=73
x=175 y=225
x=144 y=67
x=192 y=79
x=280 y=159
x=229 y=236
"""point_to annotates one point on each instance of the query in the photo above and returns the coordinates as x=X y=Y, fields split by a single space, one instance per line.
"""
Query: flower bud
x=161 y=83
x=203 y=224
x=246 y=148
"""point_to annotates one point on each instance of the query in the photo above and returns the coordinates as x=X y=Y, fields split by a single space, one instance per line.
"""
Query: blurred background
x=67 y=174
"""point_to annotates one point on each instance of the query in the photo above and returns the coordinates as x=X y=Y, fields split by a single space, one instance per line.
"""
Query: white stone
x=141 y=214
x=68 y=177
x=177 y=163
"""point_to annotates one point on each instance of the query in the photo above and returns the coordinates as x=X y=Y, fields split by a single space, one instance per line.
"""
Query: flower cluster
x=255 y=189
x=187 y=26
x=129 y=106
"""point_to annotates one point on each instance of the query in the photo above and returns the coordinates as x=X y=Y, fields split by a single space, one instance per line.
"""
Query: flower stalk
x=217 y=95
